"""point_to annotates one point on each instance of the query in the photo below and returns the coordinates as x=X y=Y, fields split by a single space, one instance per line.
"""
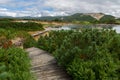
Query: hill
x=81 y=17
x=107 y=19
x=77 y=18
x=97 y=16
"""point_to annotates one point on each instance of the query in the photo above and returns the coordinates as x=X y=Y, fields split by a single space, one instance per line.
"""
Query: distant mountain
x=82 y=17
x=90 y=17
x=108 y=18
x=97 y=16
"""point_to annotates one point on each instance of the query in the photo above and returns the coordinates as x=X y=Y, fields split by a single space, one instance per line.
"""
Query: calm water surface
x=105 y=26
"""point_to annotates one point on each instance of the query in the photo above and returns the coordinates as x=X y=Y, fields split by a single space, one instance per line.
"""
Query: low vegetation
x=14 y=64
x=29 y=42
x=10 y=30
x=8 y=35
x=28 y=26
x=89 y=54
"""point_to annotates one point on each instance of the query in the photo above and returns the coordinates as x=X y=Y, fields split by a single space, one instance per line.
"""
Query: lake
x=98 y=26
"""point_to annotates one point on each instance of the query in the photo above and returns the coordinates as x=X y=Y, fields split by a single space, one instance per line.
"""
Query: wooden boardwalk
x=44 y=31
x=44 y=66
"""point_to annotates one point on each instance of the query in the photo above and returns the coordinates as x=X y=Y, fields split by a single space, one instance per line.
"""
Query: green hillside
x=80 y=17
x=75 y=18
x=107 y=19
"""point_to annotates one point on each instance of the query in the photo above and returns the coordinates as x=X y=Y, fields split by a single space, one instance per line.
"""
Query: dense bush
x=11 y=33
x=14 y=64
x=28 y=26
x=7 y=35
x=29 y=42
x=51 y=43
x=89 y=54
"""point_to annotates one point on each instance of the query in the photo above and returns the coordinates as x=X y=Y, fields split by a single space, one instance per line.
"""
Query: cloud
x=85 y=6
x=5 y=12
x=58 y=7
x=5 y=1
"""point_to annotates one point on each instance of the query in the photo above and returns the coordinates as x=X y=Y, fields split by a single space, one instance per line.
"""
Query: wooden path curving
x=44 y=31
x=44 y=66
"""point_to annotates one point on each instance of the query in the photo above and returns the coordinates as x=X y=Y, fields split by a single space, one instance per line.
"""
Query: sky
x=38 y=8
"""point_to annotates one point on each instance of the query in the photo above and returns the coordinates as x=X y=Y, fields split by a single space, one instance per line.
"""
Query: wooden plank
x=44 y=66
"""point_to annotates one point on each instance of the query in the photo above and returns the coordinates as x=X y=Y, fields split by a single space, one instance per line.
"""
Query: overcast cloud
x=37 y=8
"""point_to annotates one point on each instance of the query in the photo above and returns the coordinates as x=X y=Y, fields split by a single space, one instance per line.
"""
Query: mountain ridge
x=89 y=17
x=95 y=15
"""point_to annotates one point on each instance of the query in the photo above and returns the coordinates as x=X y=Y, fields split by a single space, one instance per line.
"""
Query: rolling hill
x=81 y=17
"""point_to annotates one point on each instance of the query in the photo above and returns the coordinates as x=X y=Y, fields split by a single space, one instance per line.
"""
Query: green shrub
x=14 y=64
x=3 y=71
x=28 y=26
x=53 y=41
x=89 y=54
x=101 y=67
x=29 y=42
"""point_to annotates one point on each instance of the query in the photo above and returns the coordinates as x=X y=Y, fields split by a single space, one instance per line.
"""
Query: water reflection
x=117 y=28
x=99 y=26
